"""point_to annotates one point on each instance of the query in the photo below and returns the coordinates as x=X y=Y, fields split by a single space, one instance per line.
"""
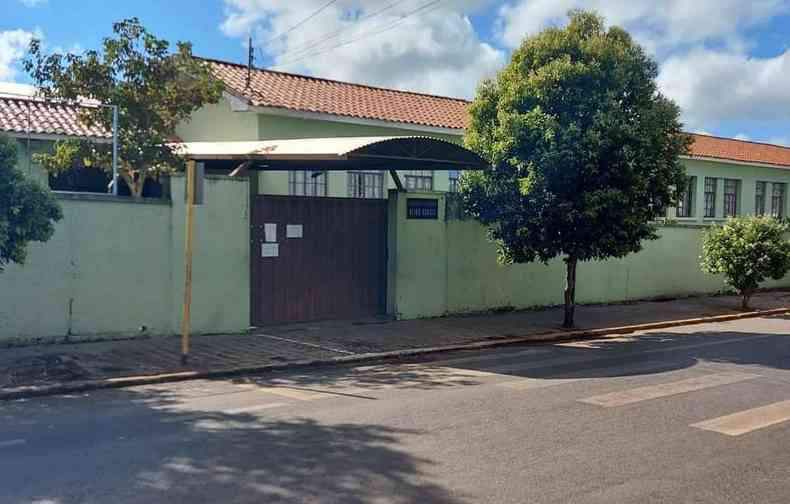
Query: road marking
x=667 y=389
x=294 y=393
x=252 y=409
x=12 y=442
x=747 y=421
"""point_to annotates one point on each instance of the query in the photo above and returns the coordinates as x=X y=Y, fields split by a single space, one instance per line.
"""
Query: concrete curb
x=550 y=337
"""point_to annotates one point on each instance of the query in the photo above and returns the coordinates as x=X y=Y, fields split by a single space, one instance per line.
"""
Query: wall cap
x=108 y=198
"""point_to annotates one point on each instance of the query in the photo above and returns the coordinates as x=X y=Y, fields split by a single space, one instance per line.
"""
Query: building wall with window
x=718 y=190
x=221 y=123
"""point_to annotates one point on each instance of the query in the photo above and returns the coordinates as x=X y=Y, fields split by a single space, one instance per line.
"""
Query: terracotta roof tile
x=309 y=94
x=39 y=117
x=730 y=149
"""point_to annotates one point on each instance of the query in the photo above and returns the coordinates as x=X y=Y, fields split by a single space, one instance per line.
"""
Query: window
x=710 y=197
x=453 y=175
x=778 y=200
x=730 y=197
x=759 y=198
x=365 y=185
x=419 y=180
x=686 y=201
x=307 y=183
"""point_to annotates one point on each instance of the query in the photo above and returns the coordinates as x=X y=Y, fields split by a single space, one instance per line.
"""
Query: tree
x=584 y=149
x=154 y=91
x=747 y=251
x=27 y=210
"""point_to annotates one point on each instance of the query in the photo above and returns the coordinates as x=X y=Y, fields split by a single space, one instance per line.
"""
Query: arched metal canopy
x=349 y=153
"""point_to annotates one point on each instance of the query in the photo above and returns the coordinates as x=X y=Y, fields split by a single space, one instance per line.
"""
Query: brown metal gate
x=317 y=258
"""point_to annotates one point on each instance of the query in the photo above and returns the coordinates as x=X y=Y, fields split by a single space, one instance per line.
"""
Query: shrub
x=747 y=251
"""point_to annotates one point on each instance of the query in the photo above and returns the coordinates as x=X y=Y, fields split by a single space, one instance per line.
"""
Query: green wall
x=114 y=266
x=439 y=267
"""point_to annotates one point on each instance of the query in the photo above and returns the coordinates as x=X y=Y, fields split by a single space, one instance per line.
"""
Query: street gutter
x=551 y=337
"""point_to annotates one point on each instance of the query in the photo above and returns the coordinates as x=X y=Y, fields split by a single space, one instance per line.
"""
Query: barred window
x=453 y=175
x=777 y=200
x=759 y=198
x=686 y=201
x=710 y=197
x=307 y=183
x=366 y=184
x=419 y=180
x=730 y=197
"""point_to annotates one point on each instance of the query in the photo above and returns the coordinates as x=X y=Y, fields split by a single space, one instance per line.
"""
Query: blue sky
x=725 y=62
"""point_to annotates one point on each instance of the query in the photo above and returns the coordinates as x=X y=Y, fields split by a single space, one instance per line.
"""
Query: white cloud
x=13 y=46
x=660 y=25
x=435 y=50
x=32 y=3
x=712 y=86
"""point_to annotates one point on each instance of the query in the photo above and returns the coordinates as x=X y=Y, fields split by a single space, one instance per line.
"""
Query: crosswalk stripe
x=666 y=389
x=747 y=421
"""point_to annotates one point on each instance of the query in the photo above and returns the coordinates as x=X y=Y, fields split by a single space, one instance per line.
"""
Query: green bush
x=747 y=251
x=27 y=210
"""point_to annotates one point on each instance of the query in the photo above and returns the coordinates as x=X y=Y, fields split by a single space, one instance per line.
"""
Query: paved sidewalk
x=52 y=364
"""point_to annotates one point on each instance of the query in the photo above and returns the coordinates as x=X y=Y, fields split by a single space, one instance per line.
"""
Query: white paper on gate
x=270 y=232
x=294 y=231
x=270 y=249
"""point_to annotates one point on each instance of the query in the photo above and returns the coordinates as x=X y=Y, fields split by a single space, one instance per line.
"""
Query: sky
x=726 y=63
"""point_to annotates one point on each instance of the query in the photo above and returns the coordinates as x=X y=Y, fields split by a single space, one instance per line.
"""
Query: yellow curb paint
x=647 y=393
x=747 y=421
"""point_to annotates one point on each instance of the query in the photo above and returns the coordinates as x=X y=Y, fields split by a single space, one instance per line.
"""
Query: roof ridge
x=334 y=81
x=741 y=140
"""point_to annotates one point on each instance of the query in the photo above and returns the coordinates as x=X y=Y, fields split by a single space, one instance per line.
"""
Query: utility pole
x=250 y=61
x=189 y=238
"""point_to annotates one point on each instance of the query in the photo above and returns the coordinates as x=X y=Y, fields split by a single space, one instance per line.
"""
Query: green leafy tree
x=747 y=251
x=27 y=210
x=584 y=149
x=155 y=90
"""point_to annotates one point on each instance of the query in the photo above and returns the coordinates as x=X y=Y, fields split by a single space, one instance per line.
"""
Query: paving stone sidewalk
x=52 y=364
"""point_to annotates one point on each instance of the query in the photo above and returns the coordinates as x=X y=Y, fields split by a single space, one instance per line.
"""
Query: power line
x=334 y=34
x=300 y=23
x=423 y=8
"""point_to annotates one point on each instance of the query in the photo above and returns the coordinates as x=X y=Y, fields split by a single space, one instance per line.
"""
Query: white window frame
x=712 y=194
x=419 y=180
x=731 y=190
x=308 y=183
x=366 y=185
x=778 y=199
x=685 y=208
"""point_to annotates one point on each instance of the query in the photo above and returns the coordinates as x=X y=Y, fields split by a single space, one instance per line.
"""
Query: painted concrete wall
x=439 y=267
x=115 y=266
x=214 y=123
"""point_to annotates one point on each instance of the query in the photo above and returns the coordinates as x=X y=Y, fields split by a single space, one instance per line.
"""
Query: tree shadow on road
x=629 y=355
x=144 y=446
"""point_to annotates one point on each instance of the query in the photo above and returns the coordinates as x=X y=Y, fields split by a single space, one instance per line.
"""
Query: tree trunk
x=135 y=180
x=745 y=300
x=570 y=291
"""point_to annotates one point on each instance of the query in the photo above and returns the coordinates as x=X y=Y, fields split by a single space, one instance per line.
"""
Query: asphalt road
x=699 y=414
